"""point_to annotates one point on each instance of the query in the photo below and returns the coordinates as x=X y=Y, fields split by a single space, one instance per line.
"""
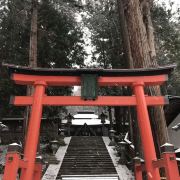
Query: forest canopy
x=62 y=38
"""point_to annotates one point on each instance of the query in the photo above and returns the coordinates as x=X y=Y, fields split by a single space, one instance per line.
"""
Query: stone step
x=84 y=173
x=87 y=152
x=87 y=168
x=89 y=157
x=95 y=177
x=88 y=162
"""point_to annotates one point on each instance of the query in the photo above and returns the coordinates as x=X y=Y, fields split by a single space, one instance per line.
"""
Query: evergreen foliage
x=167 y=33
x=60 y=42
x=103 y=22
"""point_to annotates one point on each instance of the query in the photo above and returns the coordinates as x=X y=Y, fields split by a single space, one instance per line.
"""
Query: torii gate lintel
x=137 y=79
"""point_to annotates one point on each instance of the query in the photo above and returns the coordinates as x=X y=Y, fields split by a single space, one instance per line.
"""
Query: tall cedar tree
x=60 y=43
x=138 y=27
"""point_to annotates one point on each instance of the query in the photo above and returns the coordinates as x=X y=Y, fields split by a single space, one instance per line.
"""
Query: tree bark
x=157 y=112
x=146 y=11
x=33 y=36
x=134 y=133
x=32 y=58
x=137 y=34
x=125 y=35
x=141 y=40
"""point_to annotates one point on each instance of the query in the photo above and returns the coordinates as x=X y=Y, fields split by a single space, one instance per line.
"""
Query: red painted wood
x=33 y=131
x=38 y=171
x=138 y=172
x=171 y=167
x=75 y=80
x=140 y=100
x=12 y=166
x=158 y=163
x=145 y=132
x=77 y=101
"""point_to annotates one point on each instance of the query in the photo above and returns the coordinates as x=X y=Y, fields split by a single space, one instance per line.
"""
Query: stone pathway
x=123 y=172
x=53 y=169
x=87 y=155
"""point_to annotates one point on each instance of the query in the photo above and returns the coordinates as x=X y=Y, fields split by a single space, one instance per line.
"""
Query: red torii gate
x=136 y=78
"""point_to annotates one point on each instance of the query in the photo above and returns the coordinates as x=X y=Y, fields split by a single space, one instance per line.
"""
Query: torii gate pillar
x=136 y=79
x=33 y=131
x=145 y=131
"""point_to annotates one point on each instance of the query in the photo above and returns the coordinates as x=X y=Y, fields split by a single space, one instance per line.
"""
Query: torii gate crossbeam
x=41 y=78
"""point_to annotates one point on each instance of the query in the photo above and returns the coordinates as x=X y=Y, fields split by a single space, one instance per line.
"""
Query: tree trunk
x=141 y=40
x=32 y=58
x=145 y=8
x=134 y=132
x=125 y=35
x=33 y=36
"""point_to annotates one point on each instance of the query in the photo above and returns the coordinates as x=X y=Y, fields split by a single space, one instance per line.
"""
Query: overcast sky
x=167 y=1
x=176 y=5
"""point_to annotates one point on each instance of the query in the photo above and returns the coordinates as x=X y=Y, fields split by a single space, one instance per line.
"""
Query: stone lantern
x=122 y=148
x=54 y=145
x=112 y=135
x=69 y=122
x=103 y=121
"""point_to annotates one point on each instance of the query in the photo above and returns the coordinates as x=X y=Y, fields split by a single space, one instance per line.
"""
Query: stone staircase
x=87 y=158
